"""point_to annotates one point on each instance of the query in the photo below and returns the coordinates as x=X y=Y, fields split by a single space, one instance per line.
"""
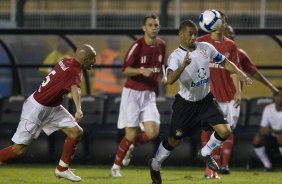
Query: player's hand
x=237 y=99
x=147 y=72
x=244 y=78
x=78 y=115
x=164 y=81
x=187 y=59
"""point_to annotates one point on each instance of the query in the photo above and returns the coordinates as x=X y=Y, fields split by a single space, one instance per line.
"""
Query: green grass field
x=43 y=174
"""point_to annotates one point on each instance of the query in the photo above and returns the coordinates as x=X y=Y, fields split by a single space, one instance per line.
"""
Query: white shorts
x=137 y=107
x=231 y=114
x=36 y=117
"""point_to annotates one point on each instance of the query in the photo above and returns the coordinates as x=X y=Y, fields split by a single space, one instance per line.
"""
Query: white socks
x=211 y=145
x=260 y=151
x=160 y=156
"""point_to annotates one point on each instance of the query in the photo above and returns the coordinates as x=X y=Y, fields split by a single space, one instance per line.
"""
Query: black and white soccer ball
x=210 y=20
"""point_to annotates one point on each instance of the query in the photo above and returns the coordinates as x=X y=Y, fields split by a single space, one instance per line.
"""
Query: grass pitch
x=44 y=174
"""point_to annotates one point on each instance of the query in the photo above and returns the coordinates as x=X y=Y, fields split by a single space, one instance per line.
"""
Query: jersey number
x=46 y=80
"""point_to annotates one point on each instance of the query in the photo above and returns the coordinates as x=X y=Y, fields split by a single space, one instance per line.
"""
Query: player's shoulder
x=160 y=41
x=204 y=45
x=229 y=41
x=203 y=38
x=270 y=107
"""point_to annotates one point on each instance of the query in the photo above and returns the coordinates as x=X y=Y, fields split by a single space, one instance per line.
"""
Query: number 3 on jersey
x=46 y=80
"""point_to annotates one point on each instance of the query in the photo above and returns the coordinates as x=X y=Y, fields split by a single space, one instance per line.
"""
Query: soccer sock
x=260 y=151
x=121 y=151
x=67 y=154
x=205 y=136
x=213 y=143
x=162 y=153
x=227 y=150
x=216 y=155
x=141 y=138
x=7 y=154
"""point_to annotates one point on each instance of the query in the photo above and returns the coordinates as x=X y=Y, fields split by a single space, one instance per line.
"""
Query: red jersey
x=148 y=56
x=57 y=84
x=245 y=62
x=221 y=83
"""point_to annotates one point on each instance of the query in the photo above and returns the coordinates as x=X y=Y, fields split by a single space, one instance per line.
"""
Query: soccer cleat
x=155 y=175
x=225 y=170
x=209 y=161
x=128 y=155
x=115 y=172
x=210 y=174
x=67 y=174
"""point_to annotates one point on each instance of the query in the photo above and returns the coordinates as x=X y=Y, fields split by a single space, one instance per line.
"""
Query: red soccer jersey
x=222 y=86
x=148 y=56
x=57 y=84
x=245 y=62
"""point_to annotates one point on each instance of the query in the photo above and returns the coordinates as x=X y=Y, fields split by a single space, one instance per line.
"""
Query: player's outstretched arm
x=228 y=65
x=259 y=77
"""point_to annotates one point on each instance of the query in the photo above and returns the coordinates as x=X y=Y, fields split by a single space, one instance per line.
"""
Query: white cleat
x=67 y=174
x=115 y=172
x=128 y=155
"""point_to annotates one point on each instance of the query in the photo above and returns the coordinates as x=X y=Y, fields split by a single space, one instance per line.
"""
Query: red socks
x=7 y=154
x=122 y=149
x=227 y=150
x=141 y=138
x=67 y=154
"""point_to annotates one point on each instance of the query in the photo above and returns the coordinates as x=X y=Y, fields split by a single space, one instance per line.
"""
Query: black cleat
x=210 y=162
x=155 y=175
x=225 y=170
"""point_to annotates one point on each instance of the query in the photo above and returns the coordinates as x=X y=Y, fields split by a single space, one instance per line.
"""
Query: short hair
x=152 y=16
x=186 y=23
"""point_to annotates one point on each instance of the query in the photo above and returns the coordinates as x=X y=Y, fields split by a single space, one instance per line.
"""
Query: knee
x=152 y=134
x=258 y=140
x=19 y=149
x=173 y=142
x=225 y=133
x=77 y=133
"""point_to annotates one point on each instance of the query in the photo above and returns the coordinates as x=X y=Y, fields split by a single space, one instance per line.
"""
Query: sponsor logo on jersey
x=202 y=75
x=200 y=83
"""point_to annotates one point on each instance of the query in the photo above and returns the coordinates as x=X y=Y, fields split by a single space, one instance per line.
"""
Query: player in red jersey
x=247 y=65
x=43 y=111
x=142 y=66
x=225 y=87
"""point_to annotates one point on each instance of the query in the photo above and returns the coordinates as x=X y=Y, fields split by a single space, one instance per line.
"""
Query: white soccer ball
x=210 y=20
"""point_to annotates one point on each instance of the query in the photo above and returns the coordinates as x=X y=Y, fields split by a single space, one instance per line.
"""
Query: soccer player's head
x=86 y=56
x=224 y=20
x=151 y=26
x=229 y=32
x=187 y=33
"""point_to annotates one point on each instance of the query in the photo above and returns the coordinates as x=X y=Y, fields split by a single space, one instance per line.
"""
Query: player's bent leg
x=73 y=137
x=216 y=139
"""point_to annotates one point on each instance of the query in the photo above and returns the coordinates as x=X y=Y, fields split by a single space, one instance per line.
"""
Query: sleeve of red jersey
x=246 y=62
x=72 y=78
x=131 y=55
x=234 y=56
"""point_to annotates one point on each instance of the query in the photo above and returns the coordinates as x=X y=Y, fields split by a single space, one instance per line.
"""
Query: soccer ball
x=210 y=20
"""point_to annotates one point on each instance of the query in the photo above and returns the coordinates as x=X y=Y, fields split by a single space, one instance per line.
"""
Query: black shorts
x=190 y=117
